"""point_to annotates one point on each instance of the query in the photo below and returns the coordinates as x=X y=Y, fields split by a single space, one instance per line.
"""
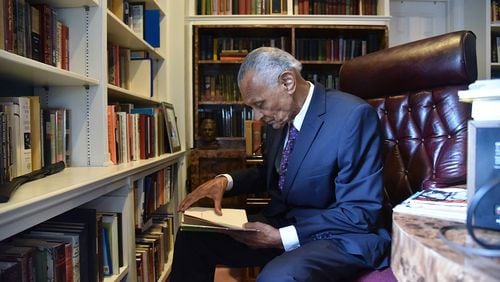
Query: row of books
x=31 y=137
x=135 y=133
x=334 y=49
x=495 y=47
x=144 y=23
x=223 y=86
x=337 y=49
x=131 y=70
x=34 y=31
x=335 y=7
x=300 y=7
x=79 y=245
x=330 y=81
x=220 y=87
x=241 y=7
x=211 y=47
x=153 y=246
x=229 y=119
x=150 y=194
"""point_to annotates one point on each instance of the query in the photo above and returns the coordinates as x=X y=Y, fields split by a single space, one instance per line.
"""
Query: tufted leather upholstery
x=414 y=89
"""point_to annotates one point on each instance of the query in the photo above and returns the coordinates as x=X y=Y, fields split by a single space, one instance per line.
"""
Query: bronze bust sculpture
x=208 y=132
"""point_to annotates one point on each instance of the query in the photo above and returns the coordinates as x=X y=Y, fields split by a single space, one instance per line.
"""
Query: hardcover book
x=67 y=233
x=21 y=254
x=22 y=106
x=92 y=232
x=152 y=27
x=205 y=219
x=10 y=271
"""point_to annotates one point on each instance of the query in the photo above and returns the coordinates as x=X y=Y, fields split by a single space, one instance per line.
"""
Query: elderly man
x=323 y=169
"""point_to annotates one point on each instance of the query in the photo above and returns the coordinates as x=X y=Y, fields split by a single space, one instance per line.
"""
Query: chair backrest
x=414 y=89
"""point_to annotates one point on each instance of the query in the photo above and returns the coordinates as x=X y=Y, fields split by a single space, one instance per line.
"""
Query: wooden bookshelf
x=321 y=48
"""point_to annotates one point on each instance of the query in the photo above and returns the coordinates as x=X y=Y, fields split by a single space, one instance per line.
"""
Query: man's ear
x=288 y=81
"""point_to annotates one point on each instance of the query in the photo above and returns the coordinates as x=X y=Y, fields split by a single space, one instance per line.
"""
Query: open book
x=205 y=219
x=448 y=203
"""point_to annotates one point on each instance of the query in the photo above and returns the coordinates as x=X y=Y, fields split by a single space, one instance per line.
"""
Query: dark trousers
x=196 y=254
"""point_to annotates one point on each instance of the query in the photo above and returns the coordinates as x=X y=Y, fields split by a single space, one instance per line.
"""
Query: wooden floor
x=224 y=274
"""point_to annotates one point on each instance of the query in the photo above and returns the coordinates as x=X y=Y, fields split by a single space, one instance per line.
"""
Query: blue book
x=106 y=253
x=152 y=27
x=150 y=111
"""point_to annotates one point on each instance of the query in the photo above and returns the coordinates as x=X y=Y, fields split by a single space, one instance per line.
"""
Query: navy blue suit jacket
x=334 y=186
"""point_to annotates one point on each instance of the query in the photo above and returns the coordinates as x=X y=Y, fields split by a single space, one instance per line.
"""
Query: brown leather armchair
x=414 y=89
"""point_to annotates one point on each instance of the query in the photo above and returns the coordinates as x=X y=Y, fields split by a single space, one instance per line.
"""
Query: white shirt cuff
x=229 y=180
x=289 y=238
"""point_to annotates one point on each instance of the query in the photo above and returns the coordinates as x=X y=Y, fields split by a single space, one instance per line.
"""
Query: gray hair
x=268 y=63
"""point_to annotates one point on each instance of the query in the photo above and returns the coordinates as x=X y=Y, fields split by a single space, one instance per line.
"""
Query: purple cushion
x=384 y=275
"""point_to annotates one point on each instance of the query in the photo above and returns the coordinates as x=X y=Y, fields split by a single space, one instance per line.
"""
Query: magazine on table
x=448 y=203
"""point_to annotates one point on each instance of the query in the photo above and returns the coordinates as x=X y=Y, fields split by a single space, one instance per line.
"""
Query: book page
x=230 y=218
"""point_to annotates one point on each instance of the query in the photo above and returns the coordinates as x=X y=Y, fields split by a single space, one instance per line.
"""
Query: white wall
x=417 y=19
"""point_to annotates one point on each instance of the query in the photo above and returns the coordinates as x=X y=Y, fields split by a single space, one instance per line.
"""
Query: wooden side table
x=419 y=254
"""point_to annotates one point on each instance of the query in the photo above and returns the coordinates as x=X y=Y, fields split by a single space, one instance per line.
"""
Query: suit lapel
x=308 y=132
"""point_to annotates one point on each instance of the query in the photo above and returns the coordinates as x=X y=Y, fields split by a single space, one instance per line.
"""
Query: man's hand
x=266 y=236
x=213 y=189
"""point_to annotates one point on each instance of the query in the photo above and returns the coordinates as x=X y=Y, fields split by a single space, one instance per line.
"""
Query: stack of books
x=448 y=203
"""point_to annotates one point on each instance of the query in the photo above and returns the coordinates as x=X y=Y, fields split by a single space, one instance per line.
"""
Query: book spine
x=20 y=24
x=3 y=147
x=257 y=137
x=9 y=25
x=111 y=115
x=2 y=24
x=35 y=33
x=248 y=137
x=14 y=147
x=137 y=14
x=25 y=134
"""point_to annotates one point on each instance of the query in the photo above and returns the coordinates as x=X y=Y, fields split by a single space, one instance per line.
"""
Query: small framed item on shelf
x=171 y=124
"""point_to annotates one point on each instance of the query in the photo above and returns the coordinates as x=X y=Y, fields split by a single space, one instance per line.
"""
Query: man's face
x=273 y=105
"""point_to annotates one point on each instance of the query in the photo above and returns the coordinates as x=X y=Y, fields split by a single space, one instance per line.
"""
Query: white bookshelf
x=84 y=90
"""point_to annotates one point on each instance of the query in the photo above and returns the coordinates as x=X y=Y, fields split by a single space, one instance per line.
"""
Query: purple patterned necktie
x=292 y=135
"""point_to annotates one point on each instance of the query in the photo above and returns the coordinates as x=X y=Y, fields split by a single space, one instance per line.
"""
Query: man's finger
x=217 y=207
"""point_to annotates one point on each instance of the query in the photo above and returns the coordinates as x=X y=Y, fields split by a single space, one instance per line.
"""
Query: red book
x=65 y=47
x=45 y=33
x=8 y=18
x=142 y=136
x=111 y=115
x=257 y=137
